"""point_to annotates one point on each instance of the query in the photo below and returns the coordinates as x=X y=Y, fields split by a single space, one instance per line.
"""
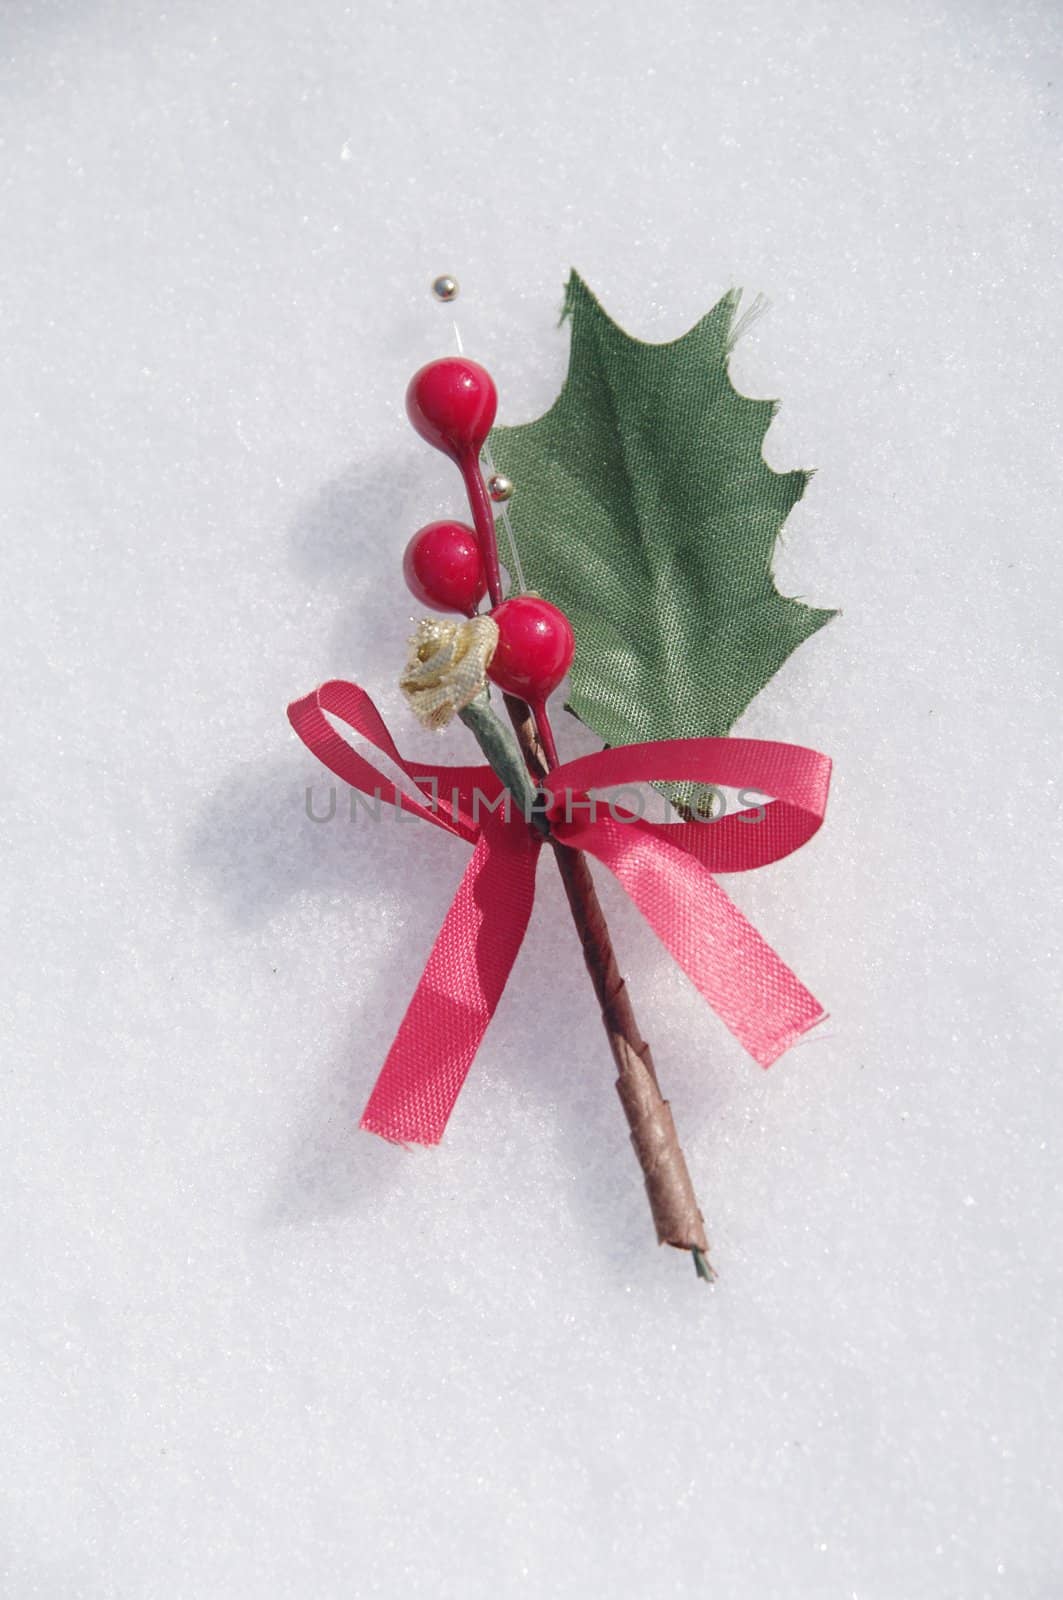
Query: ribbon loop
x=440 y=784
x=796 y=778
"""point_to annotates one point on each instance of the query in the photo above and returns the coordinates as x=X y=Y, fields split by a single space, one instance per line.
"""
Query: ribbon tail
x=765 y=1005
x=459 y=990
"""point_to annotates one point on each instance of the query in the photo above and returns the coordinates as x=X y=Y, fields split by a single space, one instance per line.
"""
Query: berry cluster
x=451 y=567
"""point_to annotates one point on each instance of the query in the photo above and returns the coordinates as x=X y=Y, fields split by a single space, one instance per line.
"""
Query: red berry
x=452 y=404
x=443 y=568
x=535 y=647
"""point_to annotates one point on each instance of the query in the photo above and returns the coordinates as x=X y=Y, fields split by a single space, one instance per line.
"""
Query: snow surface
x=251 y=1352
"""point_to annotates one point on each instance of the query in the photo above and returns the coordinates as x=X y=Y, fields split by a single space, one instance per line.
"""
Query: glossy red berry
x=535 y=647
x=452 y=404
x=444 y=569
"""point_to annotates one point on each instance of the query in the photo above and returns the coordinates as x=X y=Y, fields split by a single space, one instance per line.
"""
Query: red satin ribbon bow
x=665 y=868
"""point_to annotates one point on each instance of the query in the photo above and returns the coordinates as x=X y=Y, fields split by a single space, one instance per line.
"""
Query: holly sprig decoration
x=649 y=519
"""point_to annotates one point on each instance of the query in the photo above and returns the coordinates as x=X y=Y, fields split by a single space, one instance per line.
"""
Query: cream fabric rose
x=447 y=667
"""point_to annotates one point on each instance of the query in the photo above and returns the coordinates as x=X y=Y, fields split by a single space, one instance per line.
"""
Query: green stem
x=702 y=1265
x=503 y=753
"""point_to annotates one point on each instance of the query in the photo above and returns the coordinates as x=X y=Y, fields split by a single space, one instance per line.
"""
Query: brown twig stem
x=673 y=1203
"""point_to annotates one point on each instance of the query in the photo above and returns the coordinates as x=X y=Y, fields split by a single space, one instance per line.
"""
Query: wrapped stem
x=673 y=1203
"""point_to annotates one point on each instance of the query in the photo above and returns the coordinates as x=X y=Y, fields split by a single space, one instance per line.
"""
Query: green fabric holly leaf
x=645 y=510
